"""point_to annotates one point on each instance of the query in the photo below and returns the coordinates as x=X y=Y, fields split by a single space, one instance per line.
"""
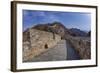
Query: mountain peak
x=77 y=32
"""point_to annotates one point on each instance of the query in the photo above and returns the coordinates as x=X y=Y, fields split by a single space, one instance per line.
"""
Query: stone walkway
x=58 y=53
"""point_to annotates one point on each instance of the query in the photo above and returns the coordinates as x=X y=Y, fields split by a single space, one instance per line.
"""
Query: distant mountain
x=60 y=29
x=77 y=32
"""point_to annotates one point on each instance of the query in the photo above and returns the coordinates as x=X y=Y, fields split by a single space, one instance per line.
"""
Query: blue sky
x=78 y=20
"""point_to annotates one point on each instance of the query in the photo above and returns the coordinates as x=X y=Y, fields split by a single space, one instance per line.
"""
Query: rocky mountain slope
x=77 y=32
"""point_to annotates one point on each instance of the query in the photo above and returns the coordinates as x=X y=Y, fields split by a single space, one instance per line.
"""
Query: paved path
x=59 y=52
x=72 y=54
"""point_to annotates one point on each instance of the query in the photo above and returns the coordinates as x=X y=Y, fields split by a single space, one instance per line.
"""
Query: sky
x=79 y=20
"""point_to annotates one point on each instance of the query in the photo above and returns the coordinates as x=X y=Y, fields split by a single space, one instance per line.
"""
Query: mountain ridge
x=60 y=29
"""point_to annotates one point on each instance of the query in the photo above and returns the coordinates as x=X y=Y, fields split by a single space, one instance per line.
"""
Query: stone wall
x=82 y=46
x=36 y=42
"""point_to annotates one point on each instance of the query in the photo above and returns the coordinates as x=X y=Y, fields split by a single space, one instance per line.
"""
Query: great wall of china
x=36 y=42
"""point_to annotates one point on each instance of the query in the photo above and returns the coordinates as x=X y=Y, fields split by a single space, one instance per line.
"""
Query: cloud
x=69 y=19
